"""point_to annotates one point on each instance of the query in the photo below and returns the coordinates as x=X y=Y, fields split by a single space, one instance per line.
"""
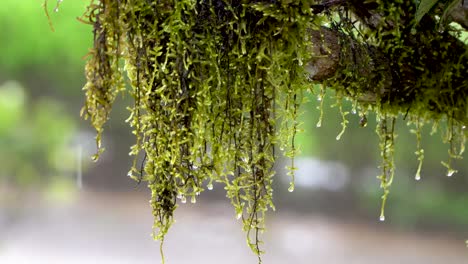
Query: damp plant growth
x=217 y=86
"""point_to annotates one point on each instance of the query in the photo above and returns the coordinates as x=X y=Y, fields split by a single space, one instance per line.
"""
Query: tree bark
x=377 y=78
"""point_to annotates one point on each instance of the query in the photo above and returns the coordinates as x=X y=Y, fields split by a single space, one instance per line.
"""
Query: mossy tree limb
x=429 y=78
x=217 y=86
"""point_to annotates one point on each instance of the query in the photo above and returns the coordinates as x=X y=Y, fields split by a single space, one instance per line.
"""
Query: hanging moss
x=217 y=84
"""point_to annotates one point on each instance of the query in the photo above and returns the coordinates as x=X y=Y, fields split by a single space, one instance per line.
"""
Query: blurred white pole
x=79 y=173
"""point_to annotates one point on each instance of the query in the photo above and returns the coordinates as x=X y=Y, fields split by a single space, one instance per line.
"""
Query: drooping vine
x=419 y=150
x=386 y=132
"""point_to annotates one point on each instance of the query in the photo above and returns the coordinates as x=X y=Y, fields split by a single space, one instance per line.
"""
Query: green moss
x=217 y=84
x=410 y=64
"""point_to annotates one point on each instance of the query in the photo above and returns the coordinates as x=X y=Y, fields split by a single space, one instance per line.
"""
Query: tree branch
x=460 y=14
x=366 y=73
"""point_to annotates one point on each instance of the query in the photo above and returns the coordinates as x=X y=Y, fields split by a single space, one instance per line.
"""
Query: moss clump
x=217 y=84
x=400 y=58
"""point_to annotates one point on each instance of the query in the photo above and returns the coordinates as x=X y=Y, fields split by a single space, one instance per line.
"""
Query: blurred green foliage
x=423 y=205
x=35 y=138
x=28 y=40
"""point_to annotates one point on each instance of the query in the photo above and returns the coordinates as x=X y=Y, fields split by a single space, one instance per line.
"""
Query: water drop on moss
x=450 y=172
x=238 y=216
x=210 y=186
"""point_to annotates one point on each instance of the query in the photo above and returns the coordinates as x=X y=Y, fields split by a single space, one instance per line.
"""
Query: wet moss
x=217 y=84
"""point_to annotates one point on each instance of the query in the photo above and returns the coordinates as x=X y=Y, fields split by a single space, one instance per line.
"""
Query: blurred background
x=56 y=206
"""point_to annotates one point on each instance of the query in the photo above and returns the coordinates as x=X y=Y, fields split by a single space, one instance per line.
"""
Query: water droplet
x=183 y=199
x=418 y=177
x=291 y=188
x=238 y=216
x=319 y=123
x=463 y=127
x=210 y=186
x=319 y=98
x=95 y=158
x=56 y=9
x=382 y=218
x=179 y=196
x=338 y=137
x=193 y=200
x=450 y=172
x=197 y=193
x=354 y=111
x=129 y=174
